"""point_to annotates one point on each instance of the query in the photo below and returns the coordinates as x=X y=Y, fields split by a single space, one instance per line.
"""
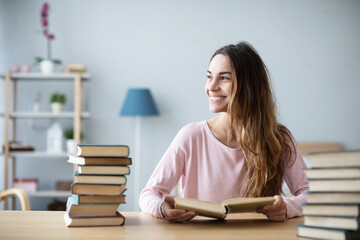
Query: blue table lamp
x=138 y=102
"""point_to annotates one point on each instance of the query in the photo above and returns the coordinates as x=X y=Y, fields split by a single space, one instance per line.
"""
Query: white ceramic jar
x=54 y=138
x=47 y=66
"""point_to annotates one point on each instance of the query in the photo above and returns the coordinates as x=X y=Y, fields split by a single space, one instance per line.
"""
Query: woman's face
x=219 y=83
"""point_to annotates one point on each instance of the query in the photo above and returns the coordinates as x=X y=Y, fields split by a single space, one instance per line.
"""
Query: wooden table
x=50 y=225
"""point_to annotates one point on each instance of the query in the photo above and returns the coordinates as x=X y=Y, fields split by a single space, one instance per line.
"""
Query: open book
x=215 y=210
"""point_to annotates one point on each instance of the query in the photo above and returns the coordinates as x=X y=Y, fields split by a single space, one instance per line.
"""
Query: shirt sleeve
x=164 y=178
x=298 y=185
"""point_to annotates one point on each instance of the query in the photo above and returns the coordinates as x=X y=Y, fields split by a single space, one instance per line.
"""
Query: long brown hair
x=268 y=146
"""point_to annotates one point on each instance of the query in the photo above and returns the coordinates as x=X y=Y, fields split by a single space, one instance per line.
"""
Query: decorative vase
x=54 y=138
x=47 y=66
x=57 y=107
x=70 y=146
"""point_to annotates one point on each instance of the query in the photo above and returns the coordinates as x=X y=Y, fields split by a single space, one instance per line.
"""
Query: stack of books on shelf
x=99 y=185
x=333 y=205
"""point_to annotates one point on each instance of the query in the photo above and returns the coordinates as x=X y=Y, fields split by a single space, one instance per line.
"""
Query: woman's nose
x=213 y=85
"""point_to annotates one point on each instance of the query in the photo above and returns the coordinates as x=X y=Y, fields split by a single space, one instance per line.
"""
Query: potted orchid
x=47 y=65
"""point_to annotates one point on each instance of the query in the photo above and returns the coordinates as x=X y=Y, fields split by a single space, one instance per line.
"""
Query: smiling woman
x=219 y=84
x=241 y=152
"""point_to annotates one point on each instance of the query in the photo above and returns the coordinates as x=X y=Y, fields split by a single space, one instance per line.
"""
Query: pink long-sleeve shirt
x=209 y=170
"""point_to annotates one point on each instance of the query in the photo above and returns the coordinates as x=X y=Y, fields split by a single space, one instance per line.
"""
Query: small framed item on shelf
x=27 y=184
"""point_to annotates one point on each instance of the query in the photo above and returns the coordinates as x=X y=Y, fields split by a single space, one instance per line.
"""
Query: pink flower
x=44 y=9
x=44 y=22
x=44 y=13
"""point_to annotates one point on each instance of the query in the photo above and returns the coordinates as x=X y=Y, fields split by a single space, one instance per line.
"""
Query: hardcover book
x=87 y=210
x=118 y=161
x=334 y=185
x=97 y=189
x=215 y=210
x=332 y=173
x=104 y=170
x=99 y=179
x=346 y=223
x=102 y=150
x=348 y=210
x=98 y=221
x=335 y=159
x=334 y=197
x=326 y=233
x=94 y=199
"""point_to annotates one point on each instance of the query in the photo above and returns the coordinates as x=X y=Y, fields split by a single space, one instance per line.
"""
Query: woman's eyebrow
x=225 y=73
x=220 y=72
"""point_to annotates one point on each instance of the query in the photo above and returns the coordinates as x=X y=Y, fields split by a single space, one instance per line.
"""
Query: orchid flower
x=44 y=13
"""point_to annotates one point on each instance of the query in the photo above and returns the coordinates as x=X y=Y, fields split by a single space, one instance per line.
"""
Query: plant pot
x=57 y=107
x=70 y=146
x=47 y=66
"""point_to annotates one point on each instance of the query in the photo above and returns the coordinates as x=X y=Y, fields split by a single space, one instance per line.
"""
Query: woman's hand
x=175 y=215
x=275 y=212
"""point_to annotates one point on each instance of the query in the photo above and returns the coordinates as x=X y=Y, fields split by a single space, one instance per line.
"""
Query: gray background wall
x=310 y=47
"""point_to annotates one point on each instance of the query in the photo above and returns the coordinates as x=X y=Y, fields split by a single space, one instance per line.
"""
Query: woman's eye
x=208 y=77
x=225 y=78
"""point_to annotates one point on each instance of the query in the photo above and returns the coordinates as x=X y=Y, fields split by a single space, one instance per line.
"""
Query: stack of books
x=333 y=205
x=99 y=185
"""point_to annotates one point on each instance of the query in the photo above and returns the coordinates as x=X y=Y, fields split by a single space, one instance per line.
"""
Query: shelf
x=36 y=154
x=45 y=115
x=41 y=76
x=49 y=194
x=74 y=114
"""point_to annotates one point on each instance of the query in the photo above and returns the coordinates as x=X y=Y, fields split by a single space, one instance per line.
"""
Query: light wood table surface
x=51 y=225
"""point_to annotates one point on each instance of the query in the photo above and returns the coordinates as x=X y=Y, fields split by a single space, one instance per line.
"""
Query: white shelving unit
x=12 y=115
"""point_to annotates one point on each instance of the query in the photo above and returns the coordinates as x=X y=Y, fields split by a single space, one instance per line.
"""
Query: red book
x=98 y=221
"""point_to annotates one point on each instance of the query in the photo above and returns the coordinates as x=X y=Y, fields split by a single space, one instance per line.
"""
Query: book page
x=239 y=205
x=203 y=208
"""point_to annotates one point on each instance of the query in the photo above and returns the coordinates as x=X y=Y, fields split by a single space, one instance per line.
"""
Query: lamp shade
x=139 y=102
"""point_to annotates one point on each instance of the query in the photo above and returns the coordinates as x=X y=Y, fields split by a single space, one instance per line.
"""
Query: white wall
x=310 y=47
